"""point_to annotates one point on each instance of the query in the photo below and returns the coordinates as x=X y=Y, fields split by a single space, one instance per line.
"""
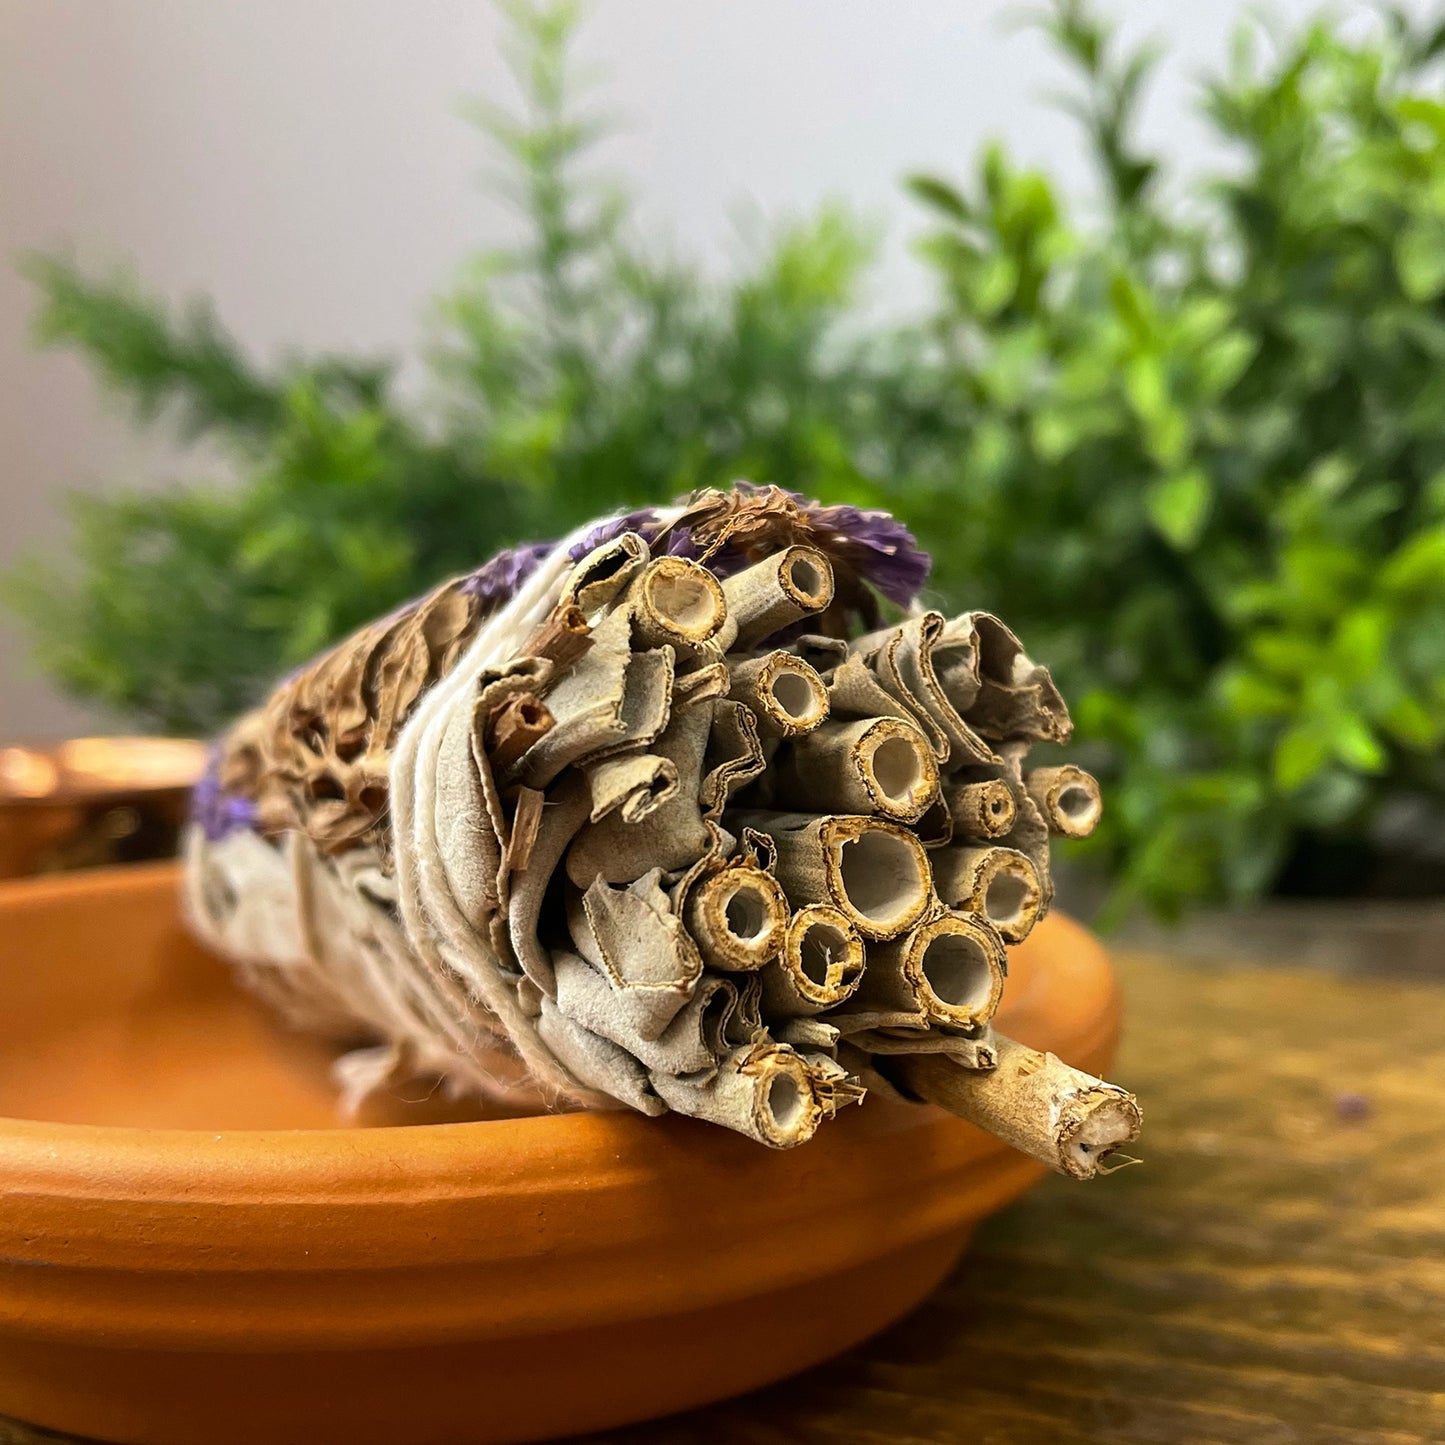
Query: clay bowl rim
x=95 y=770
x=437 y=1231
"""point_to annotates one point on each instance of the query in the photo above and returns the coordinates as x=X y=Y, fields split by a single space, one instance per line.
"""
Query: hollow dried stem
x=1068 y=797
x=513 y=727
x=951 y=968
x=981 y=810
x=1066 y=1119
x=787 y=695
x=677 y=603
x=775 y=593
x=999 y=884
x=764 y=1091
x=738 y=918
x=876 y=872
x=878 y=765
x=820 y=965
x=562 y=638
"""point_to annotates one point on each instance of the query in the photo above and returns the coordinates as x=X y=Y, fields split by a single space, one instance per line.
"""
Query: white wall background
x=302 y=162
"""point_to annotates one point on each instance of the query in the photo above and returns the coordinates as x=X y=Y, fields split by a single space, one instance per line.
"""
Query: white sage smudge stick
x=663 y=816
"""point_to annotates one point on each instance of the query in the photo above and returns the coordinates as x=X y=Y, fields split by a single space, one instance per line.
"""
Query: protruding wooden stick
x=876 y=872
x=999 y=884
x=738 y=918
x=562 y=638
x=774 y=593
x=879 y=765
x=513 y=727
x=981 y=810
x=1068 y=797
x=951 y=968
x=1035 y=1102
x=787 y=694
x=819 y=966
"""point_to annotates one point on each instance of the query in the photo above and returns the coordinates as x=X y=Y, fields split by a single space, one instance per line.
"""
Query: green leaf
x=1353 y=743
x=998 y=278
x=1418 y=565
x=1179 y=506
x=1251 y=696
x=1359 y=645
x=1132 y=307
x=1224 y=361
x=1422 y=110
x=1300 y=753
x=1414 y=725
x=1147 y=388
x=1420 y=258
x=938 y=195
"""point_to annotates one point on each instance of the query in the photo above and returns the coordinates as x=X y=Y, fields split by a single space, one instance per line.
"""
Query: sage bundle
x=665 y=815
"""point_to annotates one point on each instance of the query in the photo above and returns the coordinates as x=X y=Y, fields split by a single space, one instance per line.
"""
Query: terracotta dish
x=191 y=1251
x=93 y=801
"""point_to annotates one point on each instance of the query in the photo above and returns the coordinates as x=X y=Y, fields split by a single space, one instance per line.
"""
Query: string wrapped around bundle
x=665 y=816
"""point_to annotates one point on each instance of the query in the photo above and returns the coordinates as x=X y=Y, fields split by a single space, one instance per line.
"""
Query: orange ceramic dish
x=90 y=801
x=236 y=1271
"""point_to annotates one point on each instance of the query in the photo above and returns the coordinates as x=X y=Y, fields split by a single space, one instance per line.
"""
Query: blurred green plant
x=1199 y=453
x=1191 y=449
x=572 y=373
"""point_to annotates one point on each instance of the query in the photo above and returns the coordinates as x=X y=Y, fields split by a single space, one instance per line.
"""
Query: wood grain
x=1274 y=1273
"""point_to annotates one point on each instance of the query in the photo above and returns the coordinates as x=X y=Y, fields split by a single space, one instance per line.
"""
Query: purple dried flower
x=722 y=562
x=681 y=543
x=643 y=522
x=886 y=553
x=880 y=548
x=217 y=812
x=495 y=582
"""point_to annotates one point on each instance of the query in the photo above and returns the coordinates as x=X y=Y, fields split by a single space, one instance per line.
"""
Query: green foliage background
x=1191 y=450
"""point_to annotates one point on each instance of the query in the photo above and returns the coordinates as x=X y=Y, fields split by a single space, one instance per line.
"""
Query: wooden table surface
x=1274 y=1272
